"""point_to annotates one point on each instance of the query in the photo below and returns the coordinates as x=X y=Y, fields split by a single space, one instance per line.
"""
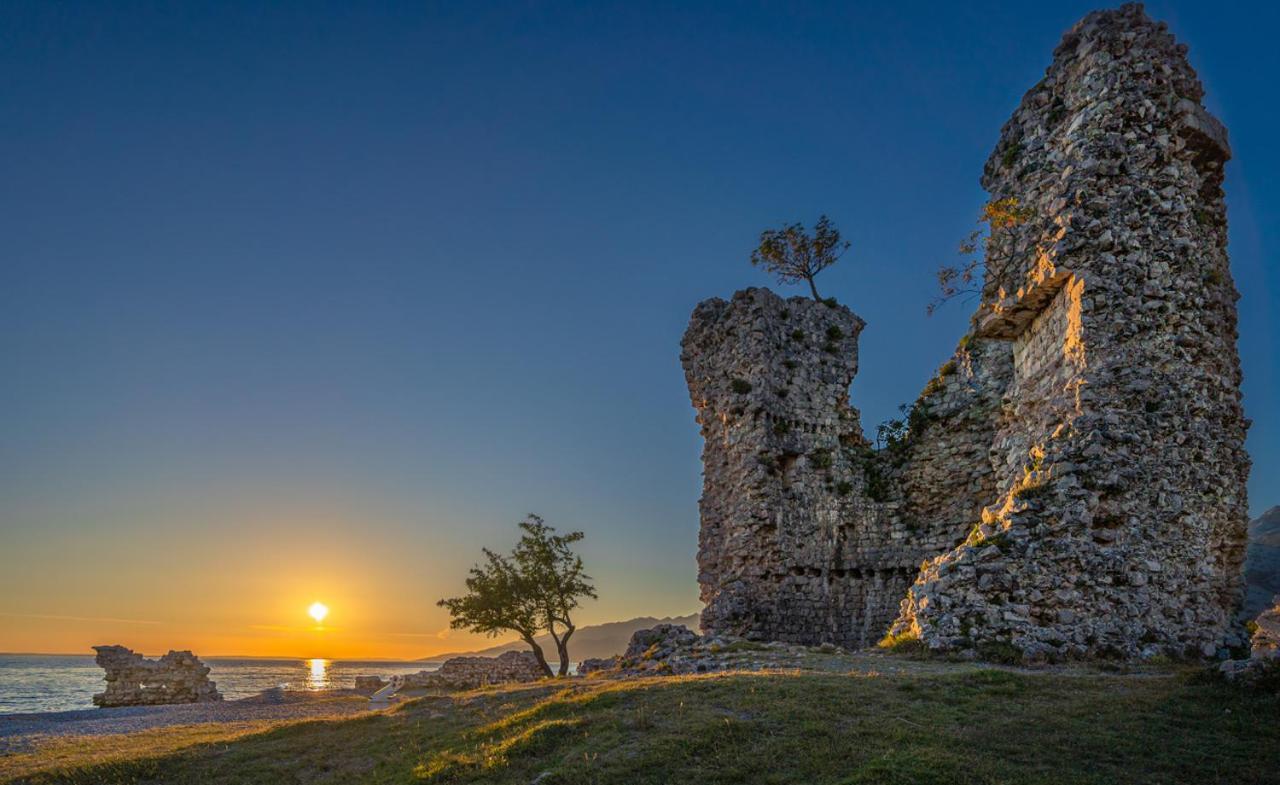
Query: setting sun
x=318 y=611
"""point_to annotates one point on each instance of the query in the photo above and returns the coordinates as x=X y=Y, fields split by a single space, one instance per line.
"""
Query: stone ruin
x=1073 y=480
x=132 y=680
x=464 y=673
x=1263 y=661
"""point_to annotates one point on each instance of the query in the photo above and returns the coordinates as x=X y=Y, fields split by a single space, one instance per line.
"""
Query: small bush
x=1032 y=492
x=830 y=348
x=790 y=365
x=902 y=643
x=1000 y=652
x=876 y=484
x=1010 y=155
x=740 y=386
x=834 y=333
x=830 y=302
x=781 y=428
x=917 y=418
x=1204 y=217
x=1001 y=541
x=844 y=488
x=797 y=335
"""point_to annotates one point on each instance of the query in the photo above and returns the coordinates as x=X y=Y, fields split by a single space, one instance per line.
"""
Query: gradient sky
x=311 y=301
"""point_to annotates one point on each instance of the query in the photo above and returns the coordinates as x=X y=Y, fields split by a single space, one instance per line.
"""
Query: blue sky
x=411 y=270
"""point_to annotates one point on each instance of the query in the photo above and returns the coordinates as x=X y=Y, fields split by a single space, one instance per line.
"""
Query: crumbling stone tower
x=770 y=379
x=1120 y=518
x=1074 y=479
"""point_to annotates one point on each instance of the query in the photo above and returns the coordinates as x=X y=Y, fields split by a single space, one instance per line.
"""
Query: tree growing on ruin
x=534 y=589
x=793 y=255
x=1001 y=243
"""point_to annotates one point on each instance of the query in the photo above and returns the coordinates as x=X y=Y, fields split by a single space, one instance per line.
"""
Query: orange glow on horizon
x=253 y=594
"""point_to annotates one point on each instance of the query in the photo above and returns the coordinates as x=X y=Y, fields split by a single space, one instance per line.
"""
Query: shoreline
x=21 y=732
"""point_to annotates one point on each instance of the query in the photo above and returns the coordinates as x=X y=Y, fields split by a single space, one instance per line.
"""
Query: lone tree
x=1002 y=245
x=534 y=589
x=793 y=255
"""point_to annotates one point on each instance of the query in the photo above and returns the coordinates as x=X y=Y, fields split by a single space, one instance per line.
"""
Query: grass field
x=960 y=724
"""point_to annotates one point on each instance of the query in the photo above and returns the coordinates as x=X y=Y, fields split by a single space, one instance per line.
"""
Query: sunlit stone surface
x=1074 y=482
x=132 y=680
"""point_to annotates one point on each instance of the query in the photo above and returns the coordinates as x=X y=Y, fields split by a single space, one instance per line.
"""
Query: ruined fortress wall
x=944 y=476
x=1073 y=484
x=791 y=547
x=1119 y=521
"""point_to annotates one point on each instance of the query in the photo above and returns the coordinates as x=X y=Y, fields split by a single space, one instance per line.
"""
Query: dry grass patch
x=952 y=724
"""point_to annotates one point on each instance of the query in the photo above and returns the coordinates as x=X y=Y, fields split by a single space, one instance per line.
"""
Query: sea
x=61 y=682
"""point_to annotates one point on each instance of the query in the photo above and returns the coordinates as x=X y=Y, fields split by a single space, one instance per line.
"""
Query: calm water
x=60 y=682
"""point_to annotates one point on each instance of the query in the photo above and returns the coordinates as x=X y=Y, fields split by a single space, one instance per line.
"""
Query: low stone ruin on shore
x=464 y=673
x=675 y=650
x=133 y=680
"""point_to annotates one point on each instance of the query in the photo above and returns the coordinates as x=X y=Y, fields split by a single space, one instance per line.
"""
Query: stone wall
x=1119 y=522
x=1073 y=482
x=793 y=546
x=470 y=672
x=132 y=680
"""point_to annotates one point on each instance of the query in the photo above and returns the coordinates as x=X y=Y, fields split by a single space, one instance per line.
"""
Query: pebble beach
x=18 y=732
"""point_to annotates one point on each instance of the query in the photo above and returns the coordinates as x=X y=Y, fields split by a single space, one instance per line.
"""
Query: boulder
x=367 y=685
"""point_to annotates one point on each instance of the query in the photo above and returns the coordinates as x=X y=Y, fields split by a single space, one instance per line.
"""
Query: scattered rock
x=462 y=673
x=675 y=650
x=368 y=685
x=594 y=664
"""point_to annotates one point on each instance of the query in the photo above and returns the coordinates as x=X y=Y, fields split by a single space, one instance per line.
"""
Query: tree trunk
x=563 y=645
x=537 y=652
x=551 y=628
x=813 y=288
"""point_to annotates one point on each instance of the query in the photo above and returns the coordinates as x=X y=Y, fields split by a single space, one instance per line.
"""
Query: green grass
x=910 y=723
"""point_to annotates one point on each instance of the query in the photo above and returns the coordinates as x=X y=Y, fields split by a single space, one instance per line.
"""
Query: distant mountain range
x=1262 y=562
x=596 y=640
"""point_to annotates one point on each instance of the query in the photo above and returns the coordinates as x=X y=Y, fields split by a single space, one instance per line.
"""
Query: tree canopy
x=793 y=255
x=1003 y=218
x=536 y=588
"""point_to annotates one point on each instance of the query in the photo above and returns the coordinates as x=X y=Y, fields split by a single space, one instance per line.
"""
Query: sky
x=311 y=301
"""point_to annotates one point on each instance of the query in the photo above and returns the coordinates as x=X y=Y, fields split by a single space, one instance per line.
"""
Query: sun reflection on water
x=318 y=676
